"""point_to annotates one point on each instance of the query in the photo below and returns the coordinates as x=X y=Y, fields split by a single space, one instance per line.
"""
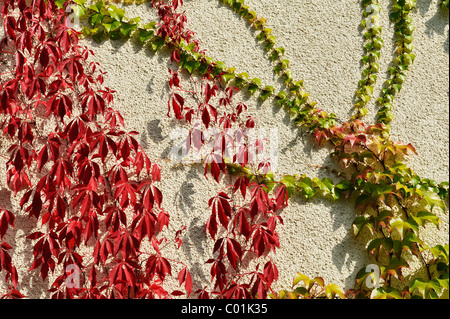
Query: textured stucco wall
x=324 y=44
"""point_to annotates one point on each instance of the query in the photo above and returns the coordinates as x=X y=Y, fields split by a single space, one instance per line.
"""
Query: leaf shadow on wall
x=30 y=283
x=195 y=239
x=438 y=23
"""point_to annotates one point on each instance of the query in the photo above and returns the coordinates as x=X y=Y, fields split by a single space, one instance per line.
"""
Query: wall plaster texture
x=324 y=44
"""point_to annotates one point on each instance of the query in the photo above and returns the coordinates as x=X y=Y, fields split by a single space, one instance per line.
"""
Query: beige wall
x=324 y=45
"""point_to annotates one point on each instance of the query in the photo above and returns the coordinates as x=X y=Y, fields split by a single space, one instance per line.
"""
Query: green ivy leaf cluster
x=107 y=20
x=295 y=100
x=374 y=43
x=404 y=57
x=305 y=287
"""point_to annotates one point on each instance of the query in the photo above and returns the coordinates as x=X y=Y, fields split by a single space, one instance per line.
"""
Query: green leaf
x=191 y=65
x=363 y=201
x=282 y=95
x=241 y=78
x=269 y=88
x=378 y=43
x=409 y=243
x=145 y=35
x=114 y=35
x=289 y=182
x=441 y=252
x=433 y=199
x=300 y=277
x=227 y=77
x=365 y=59
x=157 y=44
x=95 y=19
x=306 y=187
x=360 y=222
x=60 y=3
x=265 y=94
x=426 y=289
x=116 y=13
x=289 y=77
x=443 y=190
x=423 y=217
x=256 y=81
x=150 y=25
x=251 y=15
x=344 y=185
x=220 y=65
x=375 y=67
x=126 y=28
x=301 y=291
x=79 y=10
x=385 y=293
x=97 y=34
x=403 y=226
x=327 y=187
x=243 y=75
x=364 y=273
x=279 y=50
x=331 y=290
x=112 y=26
x=378 y=244
x=260 y=36
x=96 y=7
x=395 y=266
x=252 y=88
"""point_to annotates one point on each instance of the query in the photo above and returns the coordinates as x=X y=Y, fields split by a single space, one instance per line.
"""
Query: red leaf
x=197 y=138
x=205 y=117
x=350 y=138
x=156 y=173
x=176 y=3
x=211 y=226
x=241 y=183
x=36 y=206
x=261 y=198
x=234 y=252
x=208 y=92
x=177 y=106
x=281 y=197
x=242 y=223
x=174 y=79
x=148 y=200
x=270 y=272
x=177 y=293
x=93 y=276
x=6 y=218
x=185 y=277
x=175 y=54
x=157 y=195
x=163 y=220
x=221 y=205
x=188 y=283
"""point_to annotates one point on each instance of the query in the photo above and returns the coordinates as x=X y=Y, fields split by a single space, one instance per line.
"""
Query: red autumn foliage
x=247 y=230
x=77 y=171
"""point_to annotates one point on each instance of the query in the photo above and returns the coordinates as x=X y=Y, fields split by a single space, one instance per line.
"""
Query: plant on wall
x=90 y=166
x=75 y=168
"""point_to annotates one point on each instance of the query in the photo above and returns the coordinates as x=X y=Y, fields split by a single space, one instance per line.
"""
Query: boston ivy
x=384 y=190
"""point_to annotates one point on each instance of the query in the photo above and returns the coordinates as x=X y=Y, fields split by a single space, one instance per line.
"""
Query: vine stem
x=427 y=266
x=405 y=210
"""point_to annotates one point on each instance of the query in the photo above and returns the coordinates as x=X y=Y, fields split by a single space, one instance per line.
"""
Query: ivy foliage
x=385 y=191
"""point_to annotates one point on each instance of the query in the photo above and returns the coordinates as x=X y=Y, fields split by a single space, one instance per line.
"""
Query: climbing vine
x=75 y=168
x=245 y=213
